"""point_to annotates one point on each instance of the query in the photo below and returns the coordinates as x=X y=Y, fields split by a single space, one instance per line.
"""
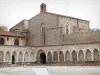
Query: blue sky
x=13 y=11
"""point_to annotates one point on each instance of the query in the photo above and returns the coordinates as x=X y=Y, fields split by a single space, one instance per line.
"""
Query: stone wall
x=75 y=25
x=23 y=25
x=90 y=37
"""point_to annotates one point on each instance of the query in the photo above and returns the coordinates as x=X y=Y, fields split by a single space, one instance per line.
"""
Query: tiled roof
x=7 y=33
x=64 y=16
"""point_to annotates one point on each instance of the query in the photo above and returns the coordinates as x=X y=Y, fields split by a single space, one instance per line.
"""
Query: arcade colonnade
x=50 y=54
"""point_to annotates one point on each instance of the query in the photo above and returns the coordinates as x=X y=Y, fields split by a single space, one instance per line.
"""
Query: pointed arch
x=41 y=56
x=26 y=57
x=61 y=56
x=20 y=57
x=14 y=56
x=49 y=56
x=74 y=56
x=43 y=33
x=67 y=29
x=32 y=57
x=96 y=55
x=7 y=56
x=67 y=56
x=81 y=56
x=88 y=55
x=55 y=56
x=1 y=56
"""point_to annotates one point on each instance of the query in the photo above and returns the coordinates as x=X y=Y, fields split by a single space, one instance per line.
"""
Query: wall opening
x=16 y=42
x=13 y=59
x=42 y=58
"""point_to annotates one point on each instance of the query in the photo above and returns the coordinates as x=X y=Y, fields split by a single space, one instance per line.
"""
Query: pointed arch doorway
x=13 y=59
x=42 y=58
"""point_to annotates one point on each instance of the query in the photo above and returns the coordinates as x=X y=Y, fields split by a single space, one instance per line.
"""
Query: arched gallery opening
x=32 y=57
x=55 y=56
x=61 y=56
x=67 y=56
x=14 y=55
x=74 y=56
x=7 y=56
x=49 y=57
x=26 y=57
x=20 y=57
x=81 y=56
x=96 y=55
x=2 y=41
x=16 y=42
x=88 y=55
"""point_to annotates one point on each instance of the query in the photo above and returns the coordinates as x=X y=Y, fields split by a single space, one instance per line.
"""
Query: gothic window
x=67 y=27
x=16 y=42
x=2 y=41
x=43 y=33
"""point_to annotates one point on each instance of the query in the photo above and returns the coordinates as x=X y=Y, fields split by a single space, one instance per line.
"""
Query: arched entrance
x=42 y=58
x=13 y=59
x=14 y=55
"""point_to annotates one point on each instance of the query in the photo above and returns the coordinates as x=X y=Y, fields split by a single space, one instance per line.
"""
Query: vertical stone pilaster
x=16 y=57
x=77 y=56
x=23 y=58
x=64 y=57
x=92 y=57
x=85 y=56
x=29 y=58
x=46 y=56
x=58 y=58
x=4 y=57
x=70 y=56
x=52 y=57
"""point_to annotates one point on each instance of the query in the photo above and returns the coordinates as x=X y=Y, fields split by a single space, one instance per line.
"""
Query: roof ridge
x=66 y=16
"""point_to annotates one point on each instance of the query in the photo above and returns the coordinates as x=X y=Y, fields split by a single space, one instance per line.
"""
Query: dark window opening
x=7 y=39
x=2 y=41
x=42 y=58
x=16 y=42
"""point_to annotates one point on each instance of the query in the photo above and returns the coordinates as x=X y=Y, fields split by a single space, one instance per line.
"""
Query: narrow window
x=67 y=27
x=43 y=33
